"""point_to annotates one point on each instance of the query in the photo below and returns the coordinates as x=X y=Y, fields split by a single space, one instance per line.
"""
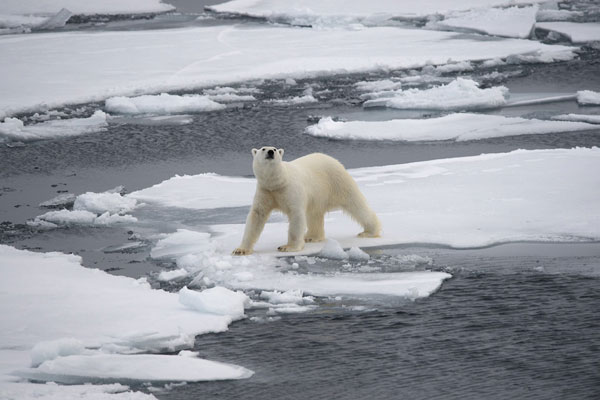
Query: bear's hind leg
x=316 y=226
x=360 y=211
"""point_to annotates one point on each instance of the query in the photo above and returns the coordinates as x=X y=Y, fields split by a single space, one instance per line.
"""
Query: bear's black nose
x=270 y=153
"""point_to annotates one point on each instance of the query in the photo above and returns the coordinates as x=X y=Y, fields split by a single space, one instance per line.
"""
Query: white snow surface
x=588 y=97
x=86 y=7
x=15 y=129
x=335 y=12
x=133 y=63
x=216 y=300
x=81 y=324
x=161 y=104
x=460 y=94
x=538 y=195
x=102 y=202
x=138 y=367
x=508 y=22
x=458 y=127
x=591 y=119
x=578 y=32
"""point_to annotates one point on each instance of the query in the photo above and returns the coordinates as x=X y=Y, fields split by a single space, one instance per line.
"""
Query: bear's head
x=267 y=163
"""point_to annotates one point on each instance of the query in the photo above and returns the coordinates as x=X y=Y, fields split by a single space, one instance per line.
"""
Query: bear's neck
x=272 y=178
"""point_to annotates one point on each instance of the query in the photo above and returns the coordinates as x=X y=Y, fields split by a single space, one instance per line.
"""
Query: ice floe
x=588 y=98
x=227 y=94
x=337 y=12
x=161 y=104
x=509 y=22
x=86 y=7
x=591 y=119
x=543 y=195
x=460 y=94
x=107 y=208
x=179 y=59
x=208 y=259
x=577 y=32
x=15 y=129
x=459 y=127
x=82 y=325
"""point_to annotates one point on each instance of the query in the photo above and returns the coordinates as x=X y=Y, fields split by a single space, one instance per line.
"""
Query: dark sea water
x=515 y=321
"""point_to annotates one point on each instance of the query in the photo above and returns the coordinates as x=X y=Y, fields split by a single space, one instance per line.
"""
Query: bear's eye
x=263 y=149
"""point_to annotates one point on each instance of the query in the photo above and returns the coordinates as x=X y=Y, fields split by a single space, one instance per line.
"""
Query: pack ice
x=65 y=323
x=218 y=55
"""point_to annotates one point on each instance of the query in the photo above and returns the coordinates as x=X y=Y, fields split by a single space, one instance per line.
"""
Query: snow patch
x=590 y=119
x=217 y=300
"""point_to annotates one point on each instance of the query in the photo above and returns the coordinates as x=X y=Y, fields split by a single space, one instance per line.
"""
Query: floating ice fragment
x=459 y=127
x=217 y=300
x=460 y=94
x=102 y=202
x=14 y=129
x=591 y=119
x=588 y=98
x=355 y=253
x=332 y=249
x=61 y=201
x=161 y=104
x=577 y=32
x=166 y=276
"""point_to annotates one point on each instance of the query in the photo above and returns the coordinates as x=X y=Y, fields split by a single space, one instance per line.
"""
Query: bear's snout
x=270 y=153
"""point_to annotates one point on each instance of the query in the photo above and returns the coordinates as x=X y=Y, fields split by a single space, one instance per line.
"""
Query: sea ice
x=460 y=94
x=544 y=15
x=355 y=253
x=458 y=126
x=543 y=195
x=66 y=307
x=588 y=98
x=161 y=104
x=508 y=22
x=336 y=12
x=100 y=203
x=216 y=300
x=14 y=129
x=181 y=59
x=377 y=86
x=166 y=276
x=591 y=119
x=81 y=369
x=86 y=7
x=332 y=249
x=577 y=32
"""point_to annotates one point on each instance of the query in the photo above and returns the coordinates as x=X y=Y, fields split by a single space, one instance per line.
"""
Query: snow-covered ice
x=81 y=369
x=100 y=209
x=15 y=129
x=591 y=119
x=336 y=12
x=85 y=324
x=161 y=104
x=460 y=94
x=509 y=22
x=540 y=195
x=208 y=258
x=86 y=7
x=577 y=32
x=546 y=15
x=458 y=126
x=588 y=98
x=332 y=249
x=207 y=56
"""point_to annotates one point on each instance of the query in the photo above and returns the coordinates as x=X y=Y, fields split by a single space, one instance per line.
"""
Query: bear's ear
x=254 y=151
x=280 y=151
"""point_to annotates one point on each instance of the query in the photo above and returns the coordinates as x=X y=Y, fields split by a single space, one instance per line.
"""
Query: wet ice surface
x=515 y=320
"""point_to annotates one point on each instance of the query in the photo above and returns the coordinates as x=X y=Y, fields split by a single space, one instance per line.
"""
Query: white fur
x=305 y=190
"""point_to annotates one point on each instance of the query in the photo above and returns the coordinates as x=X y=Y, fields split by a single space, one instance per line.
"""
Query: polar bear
x=305 y=190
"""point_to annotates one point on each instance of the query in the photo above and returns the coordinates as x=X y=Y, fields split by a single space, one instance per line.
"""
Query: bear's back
x=324 y=178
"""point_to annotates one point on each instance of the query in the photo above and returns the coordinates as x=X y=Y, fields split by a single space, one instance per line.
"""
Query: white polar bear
x=304 y=189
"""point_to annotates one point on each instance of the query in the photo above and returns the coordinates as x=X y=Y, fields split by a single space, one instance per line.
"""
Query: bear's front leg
x=255 y=222
x=296 y=232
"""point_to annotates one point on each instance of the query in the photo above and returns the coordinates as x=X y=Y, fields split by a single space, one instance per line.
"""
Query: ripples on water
x=496 y=330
